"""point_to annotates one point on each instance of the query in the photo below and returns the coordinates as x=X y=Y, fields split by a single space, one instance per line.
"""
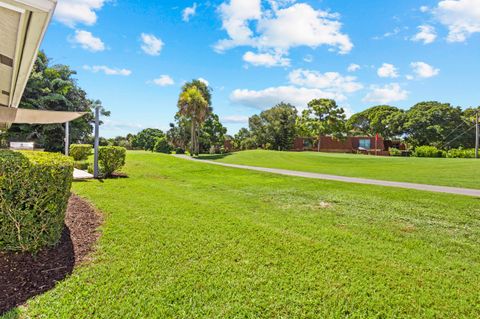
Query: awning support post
x=67 y=138
x=96 y=142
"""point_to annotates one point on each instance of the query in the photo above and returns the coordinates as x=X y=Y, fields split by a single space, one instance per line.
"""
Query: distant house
x=351 y=144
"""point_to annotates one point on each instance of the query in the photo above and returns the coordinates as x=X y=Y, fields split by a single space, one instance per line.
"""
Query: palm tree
x=194 y=107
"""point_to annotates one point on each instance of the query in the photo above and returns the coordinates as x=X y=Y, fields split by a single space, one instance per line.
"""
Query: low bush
x=80 y=152
x=394 y=151
x=179 y=150
x=162 y=146
x=461 y=153
x=428 y=151
x=111 y=159
x=81 y=165
x=34 y=192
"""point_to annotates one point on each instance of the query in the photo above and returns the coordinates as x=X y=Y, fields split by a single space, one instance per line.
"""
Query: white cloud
x=189 y=12
x=424 y=70
x=387 y=71
x=426 y=34
x=120 y=125
x=264 y=99
x=424 y=9
x=87 y=41
x=73 y=12
x=389 y=34
x=108 y=71
x=304 y=86
x=330 y=81
x=389 y=93
x=234 y=119
x=462 y=17
x=204 y=81
x=308 y=58
x=300 y=25
x=353 y=67
x=266 y=59
x=235 y=17
x=151 y=45
x=164 y=80
x=281 y=27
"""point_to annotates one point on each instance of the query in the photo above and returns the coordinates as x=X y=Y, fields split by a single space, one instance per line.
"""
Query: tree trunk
x=318 y=144
x=197 y=139
x=192 y=147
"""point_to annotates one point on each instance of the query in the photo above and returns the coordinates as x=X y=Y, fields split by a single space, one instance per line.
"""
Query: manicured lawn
x=191 y=240
x=436 y=171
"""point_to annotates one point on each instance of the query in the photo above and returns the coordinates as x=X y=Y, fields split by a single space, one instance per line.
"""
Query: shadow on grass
x=212 y=157
x=23 y=275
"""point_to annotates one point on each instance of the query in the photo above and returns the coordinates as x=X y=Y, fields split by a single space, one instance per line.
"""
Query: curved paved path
x=421 y=187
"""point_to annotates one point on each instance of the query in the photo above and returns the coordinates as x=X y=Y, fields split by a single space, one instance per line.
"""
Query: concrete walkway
x=80 y=175
x=421 y=187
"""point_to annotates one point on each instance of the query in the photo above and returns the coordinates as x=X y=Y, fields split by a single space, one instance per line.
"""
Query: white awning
x=26 y=116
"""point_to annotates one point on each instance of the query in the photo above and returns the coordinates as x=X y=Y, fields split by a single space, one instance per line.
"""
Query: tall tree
x=147 y=138
x=322 y=117
x=212 y=133
x=275 y=127
x=204 y=89
x=54 y=88
x=381 y=119
x=437 y=124
x=240 y=137
x=179 y=134
x=195 y=108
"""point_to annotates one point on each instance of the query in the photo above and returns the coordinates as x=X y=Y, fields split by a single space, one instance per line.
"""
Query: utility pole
x=96 y=142
x=477 y=133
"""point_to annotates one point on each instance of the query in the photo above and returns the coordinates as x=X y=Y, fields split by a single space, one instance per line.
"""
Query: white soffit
x=22 y=26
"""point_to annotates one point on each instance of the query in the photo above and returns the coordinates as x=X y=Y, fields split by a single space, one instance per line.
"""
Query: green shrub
x=461 y=153
x=162 y=146
x=34 y=192
x=81 y=165
x=394 y=151
x=80 y=152
x=428 y=151
x=111 y=159
x=179 y=150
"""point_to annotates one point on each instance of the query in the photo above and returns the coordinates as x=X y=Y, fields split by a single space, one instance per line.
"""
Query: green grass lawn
x=185 y=239
x=436 y=171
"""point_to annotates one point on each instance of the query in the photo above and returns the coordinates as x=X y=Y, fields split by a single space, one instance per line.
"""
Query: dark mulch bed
x=23 y=276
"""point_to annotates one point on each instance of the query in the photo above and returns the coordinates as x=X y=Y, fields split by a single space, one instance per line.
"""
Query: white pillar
x=67 y=138
x=477 y=133
x=96 y=142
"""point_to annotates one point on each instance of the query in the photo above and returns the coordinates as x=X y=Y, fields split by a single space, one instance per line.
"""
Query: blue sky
x=134 y=55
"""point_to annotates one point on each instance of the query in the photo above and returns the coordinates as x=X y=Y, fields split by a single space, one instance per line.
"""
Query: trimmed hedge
x=428 y=151
x=394 y=151
x=111 y=159
x=80 y=152
x=461 y=153
x=34 y=192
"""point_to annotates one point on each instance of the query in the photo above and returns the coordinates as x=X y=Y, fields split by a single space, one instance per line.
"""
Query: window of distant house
x=307 y=143
x=364 y=143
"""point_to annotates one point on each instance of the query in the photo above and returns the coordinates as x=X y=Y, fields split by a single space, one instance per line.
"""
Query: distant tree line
x=427 y=123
